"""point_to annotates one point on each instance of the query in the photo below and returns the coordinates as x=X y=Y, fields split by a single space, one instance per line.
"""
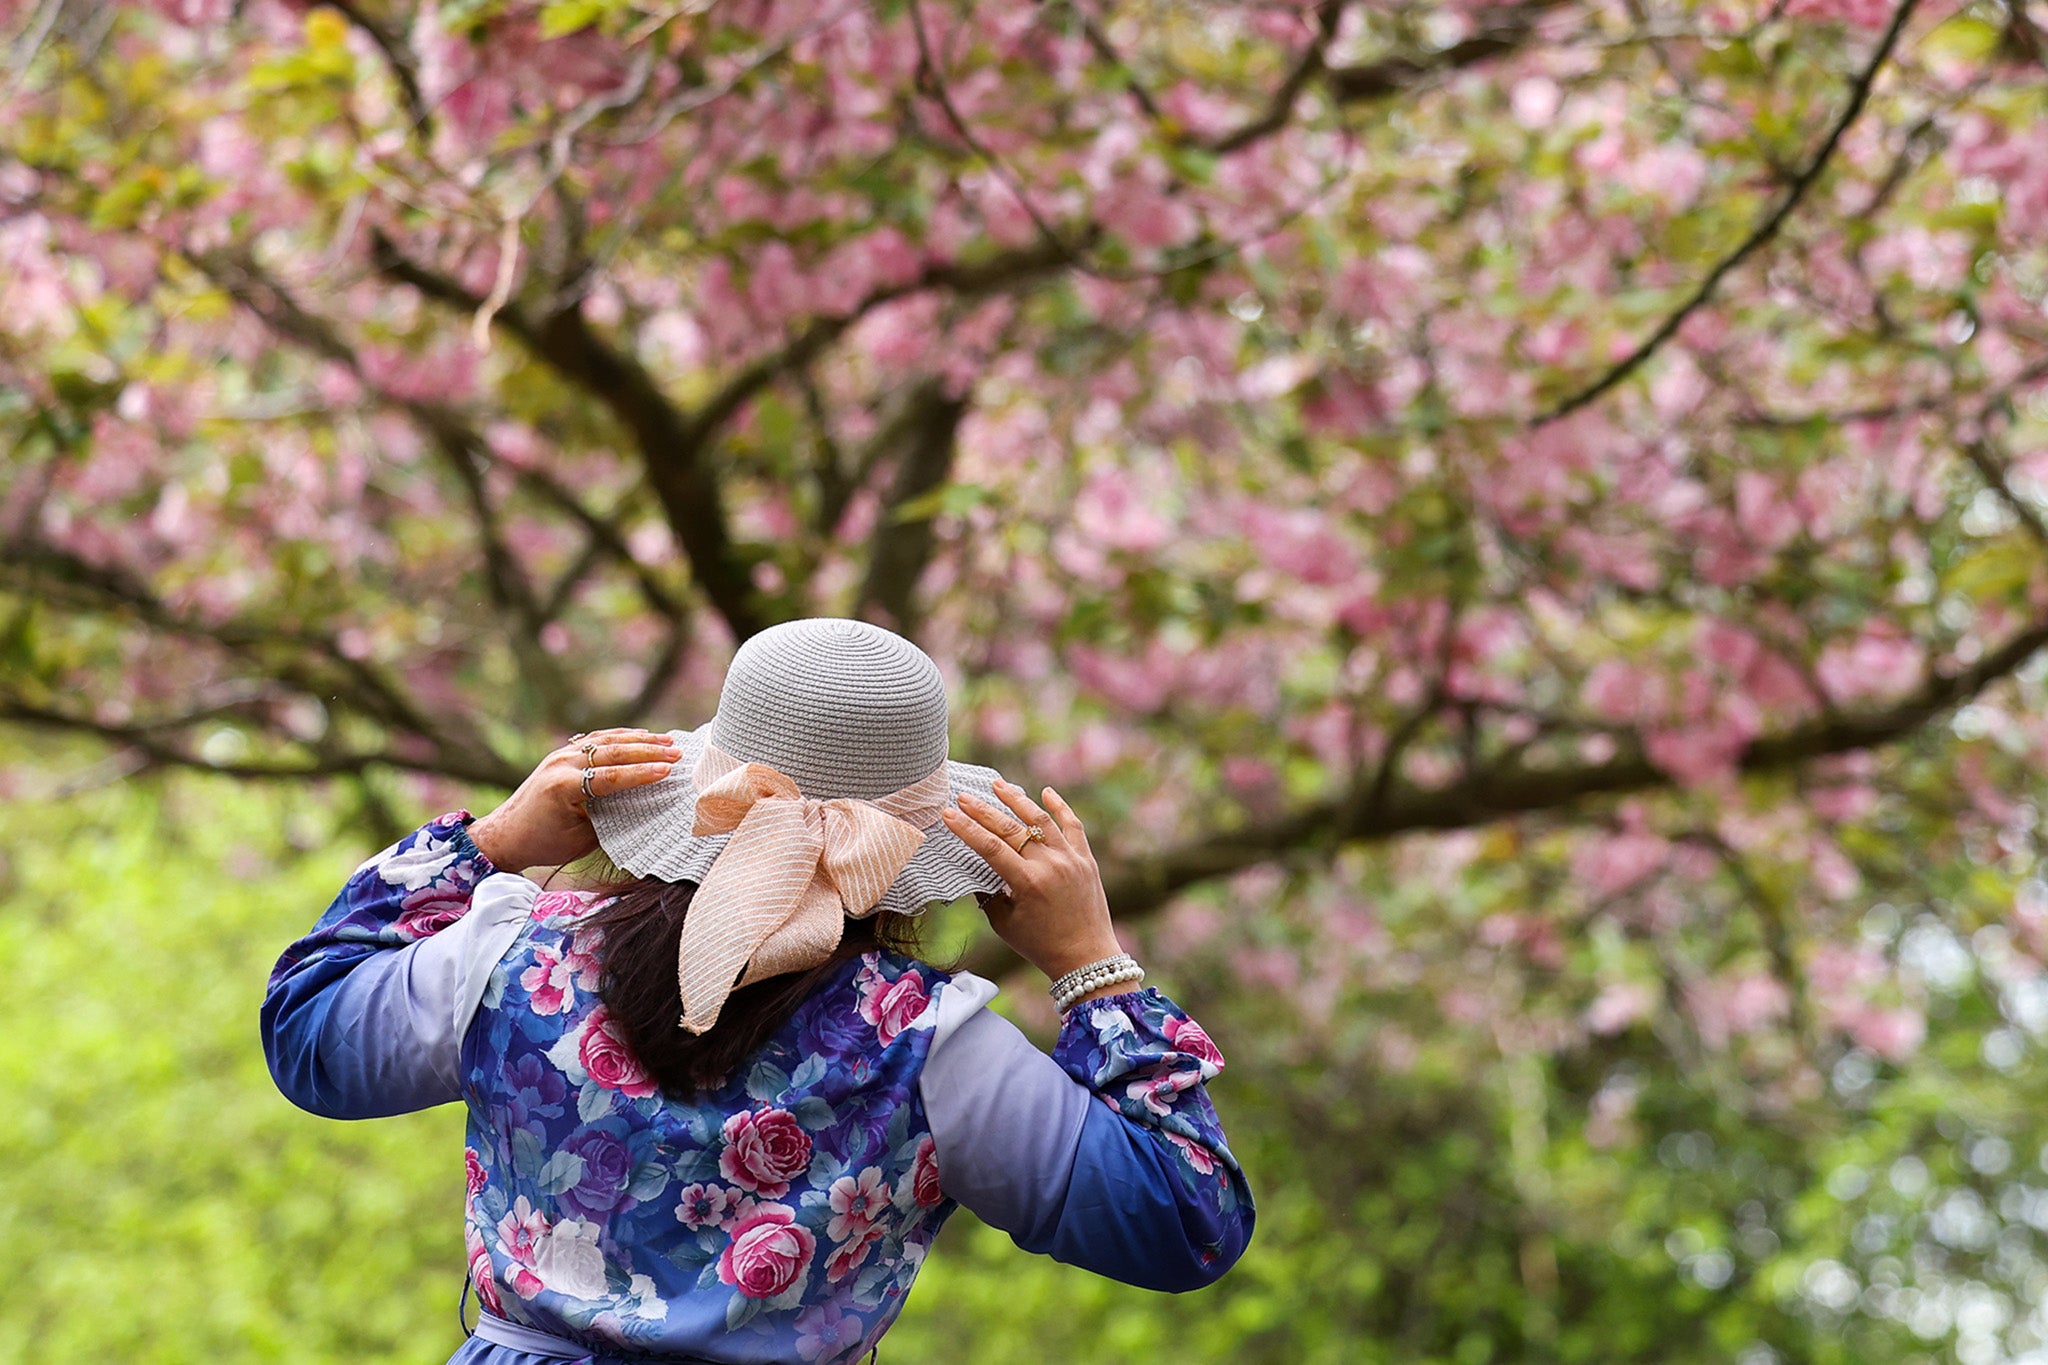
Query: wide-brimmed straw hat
x=825 y=769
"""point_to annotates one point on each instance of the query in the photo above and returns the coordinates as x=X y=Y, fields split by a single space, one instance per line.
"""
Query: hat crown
x=842 y=707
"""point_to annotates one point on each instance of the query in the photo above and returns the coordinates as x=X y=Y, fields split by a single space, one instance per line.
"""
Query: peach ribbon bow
x=777 y=897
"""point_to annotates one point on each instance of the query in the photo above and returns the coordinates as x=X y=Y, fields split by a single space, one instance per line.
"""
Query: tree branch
x=1139 y=886
x=305 y=659
x=507 y=583
x=1392 y=75
x=146 y=740
x=1280 y=108
x=1766 y=229
x=396 y=55
x=673 y=445
x=902 y=546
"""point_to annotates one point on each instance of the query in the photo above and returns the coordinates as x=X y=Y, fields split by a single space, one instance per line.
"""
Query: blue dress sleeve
x=364 y=1015
x=1107 y=1155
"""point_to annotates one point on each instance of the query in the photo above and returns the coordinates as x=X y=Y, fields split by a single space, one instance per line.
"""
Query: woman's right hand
x=544 y=823
x=1057 y=913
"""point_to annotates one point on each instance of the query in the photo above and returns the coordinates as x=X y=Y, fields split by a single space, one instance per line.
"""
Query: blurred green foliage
x=167 y=1205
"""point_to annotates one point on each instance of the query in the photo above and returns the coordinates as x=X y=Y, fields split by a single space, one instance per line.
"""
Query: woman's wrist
x=489 y=840
x=1111 y=974
x=1068 y=957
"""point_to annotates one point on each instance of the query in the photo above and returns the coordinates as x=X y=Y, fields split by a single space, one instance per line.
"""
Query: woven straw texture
x=842 y=708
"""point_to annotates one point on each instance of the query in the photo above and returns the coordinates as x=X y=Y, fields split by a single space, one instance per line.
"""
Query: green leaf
x=559 y=18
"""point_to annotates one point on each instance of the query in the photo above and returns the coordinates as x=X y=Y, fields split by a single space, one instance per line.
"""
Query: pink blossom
x=1619 y=1005
x=1764 y=512
x=1623 y=690
x=1880 y=662
x=1112 y=511
x=1613 y=863
x=1835 y=969
x=1871 y=14
x=1727 y=1007
x=1893 y=1034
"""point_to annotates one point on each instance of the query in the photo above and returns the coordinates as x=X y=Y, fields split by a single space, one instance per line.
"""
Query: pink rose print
x=1188 y=1036
x=472 y=1172
x=891 y=1005
x=481 y=1275
x=519 y=1235
x=847 y=1256
x=764 y=1151
x=550 y=981
x=706 y=1206
x=607 y=1060
x=856 y=1202
x=1159 y=1089
x=924 y=1174
x=431 y=909
x=549 y=906
x=768 y=1252
x=1198 y=1156
x=581 y=962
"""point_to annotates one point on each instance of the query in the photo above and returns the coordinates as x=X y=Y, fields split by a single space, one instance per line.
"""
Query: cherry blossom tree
x=1526 y=520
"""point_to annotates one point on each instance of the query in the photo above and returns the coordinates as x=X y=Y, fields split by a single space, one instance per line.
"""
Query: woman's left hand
x=544 y=823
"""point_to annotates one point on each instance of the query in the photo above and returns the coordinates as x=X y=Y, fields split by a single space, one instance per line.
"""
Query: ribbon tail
x=802 y=941
x=759 y=880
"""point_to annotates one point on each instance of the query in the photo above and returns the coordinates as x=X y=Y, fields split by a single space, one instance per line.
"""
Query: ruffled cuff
x=418 y=886
x=1148 y=1060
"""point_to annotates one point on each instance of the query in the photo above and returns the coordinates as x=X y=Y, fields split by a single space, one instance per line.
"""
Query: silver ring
x=588 y=773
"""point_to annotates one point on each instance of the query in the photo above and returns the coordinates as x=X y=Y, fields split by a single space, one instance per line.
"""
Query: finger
x=605 y=755
x=996 y=819
x=1069 y=823
x=982 y=840
x=1025 y=809
x=605 y=781
x=616 y=735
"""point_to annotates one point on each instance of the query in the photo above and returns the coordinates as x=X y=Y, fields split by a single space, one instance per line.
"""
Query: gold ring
x=590 y=755
x=1034 y=832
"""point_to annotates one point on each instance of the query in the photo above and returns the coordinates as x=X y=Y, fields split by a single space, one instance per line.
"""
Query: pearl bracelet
x=1113 y=962
x=1110 y=971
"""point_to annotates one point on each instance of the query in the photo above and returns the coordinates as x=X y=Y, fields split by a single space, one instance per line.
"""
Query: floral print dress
x=784 y=1215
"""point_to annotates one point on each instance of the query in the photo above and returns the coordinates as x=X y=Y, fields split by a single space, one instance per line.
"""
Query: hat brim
x=647 y=831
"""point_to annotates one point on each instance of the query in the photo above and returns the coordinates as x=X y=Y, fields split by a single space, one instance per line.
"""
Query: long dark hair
x=636 y=939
